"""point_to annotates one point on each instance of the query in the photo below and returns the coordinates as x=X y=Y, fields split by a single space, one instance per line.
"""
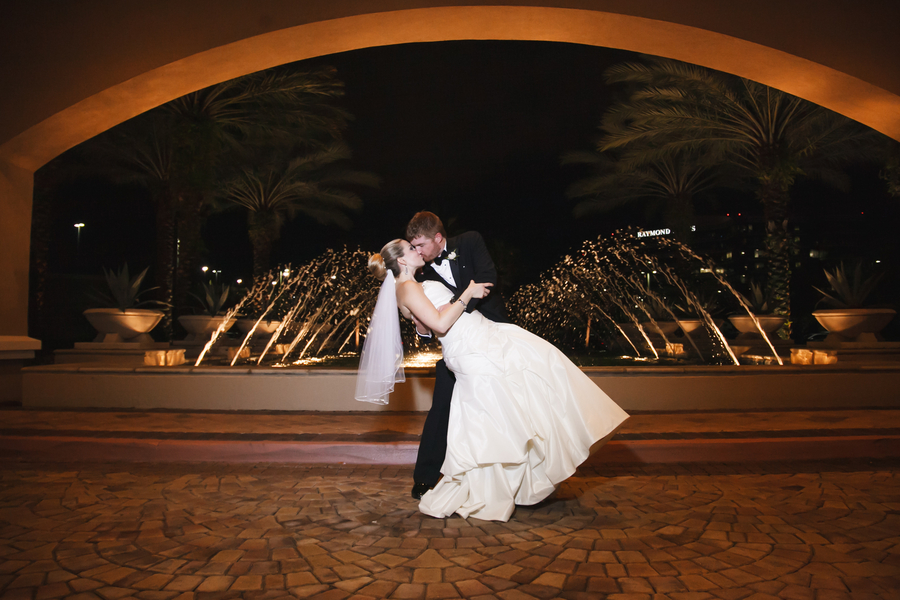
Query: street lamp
x=78 y=227
x=216 y=273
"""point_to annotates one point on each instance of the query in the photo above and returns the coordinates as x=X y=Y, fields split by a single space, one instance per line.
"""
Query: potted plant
x=263 y=326
x=200 y=327
x=849 y=320
x=266 y=319
x=120 y=319
x=710 y=303
x=759 y=306
x=685 y=317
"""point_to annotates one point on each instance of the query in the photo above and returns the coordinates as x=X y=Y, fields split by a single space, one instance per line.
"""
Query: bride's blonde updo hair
x=387 y=259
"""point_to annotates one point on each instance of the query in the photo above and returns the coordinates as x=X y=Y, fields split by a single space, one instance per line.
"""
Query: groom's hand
x=421 y=329
x=480 y=290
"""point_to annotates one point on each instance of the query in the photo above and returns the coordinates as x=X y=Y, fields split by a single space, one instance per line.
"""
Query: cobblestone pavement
x=817 y=531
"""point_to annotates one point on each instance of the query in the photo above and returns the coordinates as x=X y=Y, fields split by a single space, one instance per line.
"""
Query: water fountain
x=608 y=289
x=626 y=276
x=321 y=308
x=318 y=312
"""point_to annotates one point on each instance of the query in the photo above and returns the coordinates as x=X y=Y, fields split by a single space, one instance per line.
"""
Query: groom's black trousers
x=433 y=445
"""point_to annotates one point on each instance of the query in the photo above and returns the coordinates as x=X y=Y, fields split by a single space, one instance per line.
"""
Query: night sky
x=471 y=130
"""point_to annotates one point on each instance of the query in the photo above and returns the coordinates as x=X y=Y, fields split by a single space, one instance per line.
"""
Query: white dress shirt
x=444 y=269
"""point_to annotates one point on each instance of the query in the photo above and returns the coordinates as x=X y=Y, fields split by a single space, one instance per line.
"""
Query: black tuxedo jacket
x=472 y=263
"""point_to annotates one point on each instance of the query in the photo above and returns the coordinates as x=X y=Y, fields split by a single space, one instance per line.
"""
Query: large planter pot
x=690 y=325
x=665 y=328
x=201 y=327
x=264 y=328
x=132 y=326
x=854 y=324
x=747 y=328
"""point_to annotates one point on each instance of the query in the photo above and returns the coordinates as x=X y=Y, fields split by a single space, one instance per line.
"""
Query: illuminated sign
x=655 y=232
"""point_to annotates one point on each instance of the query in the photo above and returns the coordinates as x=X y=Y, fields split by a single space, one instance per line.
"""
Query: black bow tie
x=439 y=259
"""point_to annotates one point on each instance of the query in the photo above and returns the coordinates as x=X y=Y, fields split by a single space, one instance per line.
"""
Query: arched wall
x=73 y=70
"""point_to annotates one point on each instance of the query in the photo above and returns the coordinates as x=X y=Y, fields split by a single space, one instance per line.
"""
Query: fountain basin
x=321 y=389
x=201 y=327
x=115 y=326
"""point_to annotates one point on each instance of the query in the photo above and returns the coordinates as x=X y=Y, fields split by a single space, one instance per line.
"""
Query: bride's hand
x=480 y=290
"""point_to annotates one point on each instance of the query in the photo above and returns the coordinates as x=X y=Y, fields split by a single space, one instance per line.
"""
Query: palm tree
x=312 y=184
x=181 y=149
x=668 y=185
x=217 y=128
x=771 y=137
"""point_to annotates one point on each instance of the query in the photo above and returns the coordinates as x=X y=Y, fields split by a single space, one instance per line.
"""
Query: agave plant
x=758 y=301
x=214 y=298
x=124 y=290
x=712 y=303
x=848 y=291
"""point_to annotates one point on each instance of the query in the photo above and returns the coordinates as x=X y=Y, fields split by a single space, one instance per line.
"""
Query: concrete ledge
x=18 y=347
x=745 y=450
x=68 y=449
x=130 y=450
x=743 y=388
x=15 y=351
x=318 y=389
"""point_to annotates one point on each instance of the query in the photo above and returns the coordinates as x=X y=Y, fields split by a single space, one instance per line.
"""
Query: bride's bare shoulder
x=406 y=292
x=408 y=287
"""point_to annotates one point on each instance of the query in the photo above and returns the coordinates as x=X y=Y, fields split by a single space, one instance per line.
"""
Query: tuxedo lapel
x=428 y=272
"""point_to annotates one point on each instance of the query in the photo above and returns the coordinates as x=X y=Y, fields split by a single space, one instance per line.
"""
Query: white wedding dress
x=522 y=418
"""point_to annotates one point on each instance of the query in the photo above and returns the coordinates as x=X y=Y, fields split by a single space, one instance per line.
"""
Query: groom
x=453 y=262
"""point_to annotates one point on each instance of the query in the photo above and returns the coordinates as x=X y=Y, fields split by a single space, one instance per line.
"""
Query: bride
x=523 y=416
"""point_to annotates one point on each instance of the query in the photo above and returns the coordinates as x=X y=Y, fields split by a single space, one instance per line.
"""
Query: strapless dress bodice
x=470 y=333
x=438 y=293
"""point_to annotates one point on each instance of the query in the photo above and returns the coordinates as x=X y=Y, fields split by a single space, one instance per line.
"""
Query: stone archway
x=164 y=51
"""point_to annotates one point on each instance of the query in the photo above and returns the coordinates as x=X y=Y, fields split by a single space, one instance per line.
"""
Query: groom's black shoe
x=419 y=490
